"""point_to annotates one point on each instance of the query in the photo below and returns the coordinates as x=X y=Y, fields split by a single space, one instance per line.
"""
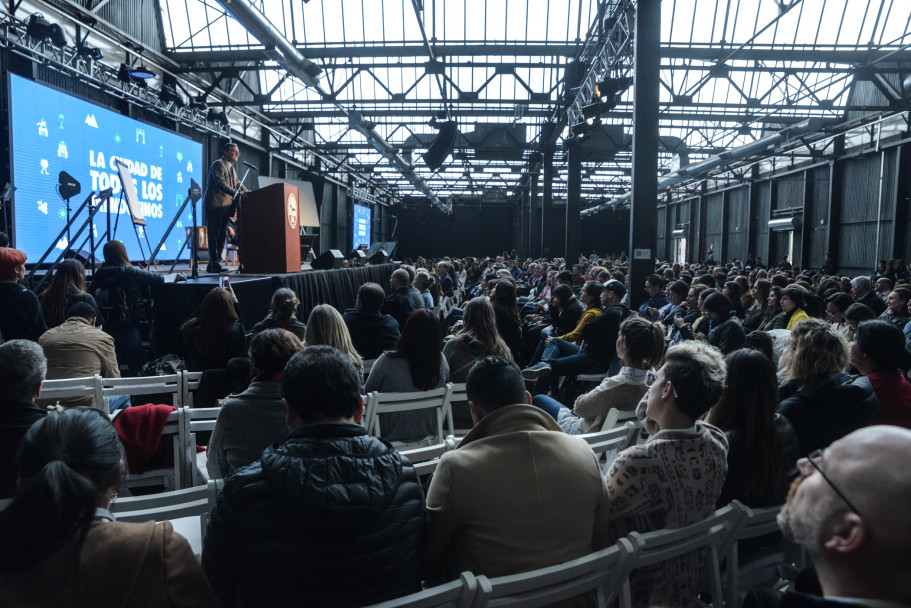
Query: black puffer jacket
x=123 y=294
x=828 y=409
x=329 y=517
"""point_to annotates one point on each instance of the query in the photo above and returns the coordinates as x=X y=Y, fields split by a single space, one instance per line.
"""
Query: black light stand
x=103 y=196
x=6 y=195
x=67 y=187
x=194 y=193
x=66 y=230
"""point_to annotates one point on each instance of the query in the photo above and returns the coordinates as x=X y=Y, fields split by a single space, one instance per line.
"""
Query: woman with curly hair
x=819 y=398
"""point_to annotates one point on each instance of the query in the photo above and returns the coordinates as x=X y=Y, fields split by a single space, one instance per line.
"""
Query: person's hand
x=679 y=322
x=547 y=339
x=700 y=336
x=653 y=313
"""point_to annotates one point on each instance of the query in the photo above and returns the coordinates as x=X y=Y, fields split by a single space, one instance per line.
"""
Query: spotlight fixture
x=169 y=92
x=199 y=103
x=137 y=76
x=89 y=52
x=40 y=28
x=581 y=131
x=591 y=112
x=607 y=90
x=218 y=116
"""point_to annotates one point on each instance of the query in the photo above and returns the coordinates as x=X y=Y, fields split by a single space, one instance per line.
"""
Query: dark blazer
x=727 y=336
x=875 y=302
x=219 y=192
x=399 y=305
x=371 y=332
x=15 y=419
x=21 y=317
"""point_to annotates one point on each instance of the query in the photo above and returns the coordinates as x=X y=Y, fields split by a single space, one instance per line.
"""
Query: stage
x=175 y=302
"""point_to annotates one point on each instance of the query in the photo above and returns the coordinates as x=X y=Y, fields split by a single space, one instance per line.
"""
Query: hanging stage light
x=40 y=28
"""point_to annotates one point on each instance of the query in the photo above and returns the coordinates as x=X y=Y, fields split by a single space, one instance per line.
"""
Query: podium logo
x=291 y=209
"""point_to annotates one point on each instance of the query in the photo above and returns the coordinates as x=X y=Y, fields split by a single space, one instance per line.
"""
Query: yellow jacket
x=799 y=315
x=588 y=316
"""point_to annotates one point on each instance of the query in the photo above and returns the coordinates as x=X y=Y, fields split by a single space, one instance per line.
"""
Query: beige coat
x=122 y=565
x=518 y=494
x=77 y=349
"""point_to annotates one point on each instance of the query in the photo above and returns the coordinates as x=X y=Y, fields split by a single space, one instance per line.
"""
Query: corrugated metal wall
x=857 y=232
x=137 y=18
x=737 y=218
x=763 y=205
x=661 y=246
x=714 y=222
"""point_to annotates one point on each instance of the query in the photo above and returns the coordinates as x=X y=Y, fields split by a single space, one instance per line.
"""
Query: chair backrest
x=437 y=399
x=617 y=417
x=757 y=522
x=191 y=382
x=608 y=444
x=425 y=460
x=202 y=419
x=599 y=572
x=459 y=392
x=460 y=593
x=176 y=477
x=171 y=384
x=714 y=534
x=63 y=388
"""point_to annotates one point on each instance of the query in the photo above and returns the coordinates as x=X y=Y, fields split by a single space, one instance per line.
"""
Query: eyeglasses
x=812 y=457
x=651 y=377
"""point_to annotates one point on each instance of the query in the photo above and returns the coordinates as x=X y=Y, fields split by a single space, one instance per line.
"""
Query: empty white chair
x=454 y=594
x=388 y=403
x=599 y=572
x=145 y=385
x=713 y=535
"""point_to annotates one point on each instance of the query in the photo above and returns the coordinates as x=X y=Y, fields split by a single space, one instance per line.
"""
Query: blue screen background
x=53 y=132
x=361 y=226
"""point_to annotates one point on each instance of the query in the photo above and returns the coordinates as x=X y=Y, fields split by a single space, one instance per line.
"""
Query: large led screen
x=361 y=226
x=54 y=132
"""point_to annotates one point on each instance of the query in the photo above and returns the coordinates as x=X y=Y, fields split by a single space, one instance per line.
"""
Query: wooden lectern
x=269 y=230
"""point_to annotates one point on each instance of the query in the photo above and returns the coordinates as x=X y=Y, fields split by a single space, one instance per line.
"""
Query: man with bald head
x=399 y=303
x=849 y=509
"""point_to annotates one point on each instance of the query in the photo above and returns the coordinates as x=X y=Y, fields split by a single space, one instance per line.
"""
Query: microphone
x=251 y=166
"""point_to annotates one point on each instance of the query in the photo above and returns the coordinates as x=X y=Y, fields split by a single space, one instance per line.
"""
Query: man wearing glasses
x=849 y=509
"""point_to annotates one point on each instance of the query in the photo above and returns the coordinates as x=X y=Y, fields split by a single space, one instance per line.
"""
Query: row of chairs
x=604 y=574
x=180 y=387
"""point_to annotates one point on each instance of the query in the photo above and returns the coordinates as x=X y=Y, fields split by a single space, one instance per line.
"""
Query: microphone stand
x=240 y=184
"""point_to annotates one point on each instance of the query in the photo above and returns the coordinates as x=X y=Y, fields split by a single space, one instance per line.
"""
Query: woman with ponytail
x=640 y=346
x=59 y=544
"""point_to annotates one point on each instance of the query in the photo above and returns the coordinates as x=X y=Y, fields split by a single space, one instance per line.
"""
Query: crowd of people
x=747 y=381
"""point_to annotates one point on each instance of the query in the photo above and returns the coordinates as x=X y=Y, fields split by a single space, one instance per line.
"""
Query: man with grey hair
x=862 y=290
x=848 y=509
x=22 y=370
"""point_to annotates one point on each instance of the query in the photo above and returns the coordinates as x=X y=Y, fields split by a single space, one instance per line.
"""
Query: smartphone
x=222 y=279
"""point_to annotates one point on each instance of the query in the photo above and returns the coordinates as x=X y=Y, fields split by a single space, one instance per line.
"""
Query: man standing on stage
x=220 y=203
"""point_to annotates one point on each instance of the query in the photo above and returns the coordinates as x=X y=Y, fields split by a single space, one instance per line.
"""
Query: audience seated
x=845 y=511
x=325 y=326
x=481 y=514
x=640 y=346
x=22 y=370
x=820 y=400
x=837 y=305
x=654 y=287
x=399 y=303
x=878 y=352
x=599 y=352
x=21 y=316
x=78 y=349
x=59 y=543
x=328 y=517
x=775 y=317
x=415 y=364
x=652 y=487
x=371 y=331
x=250 y=422
x=762 y=445
x=282 y=314
x=123 y=293
x=215 y=334
x=793 y=301
x=897 y=307
x=66 y=288
x=506 y=313
x=477 y=338
x=565 y=311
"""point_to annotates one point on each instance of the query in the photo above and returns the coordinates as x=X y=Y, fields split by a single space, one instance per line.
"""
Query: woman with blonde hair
x=478 y=338
x=822 y=402
x=326 y=326
x=640 y=346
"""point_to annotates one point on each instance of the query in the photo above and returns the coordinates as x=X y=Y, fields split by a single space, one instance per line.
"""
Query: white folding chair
x=713 y=534
x=599 y=572
x=591 y=377
x=425 y=460
x=459 y=392
x=454 y=594
x=54 y=390
x=176 y=477
x=764 y=568
x=617 y=418
x=607 y=444
x=190 y=385
x=387 y=403
x=199 y=420
x=188 y=511
x=368 y=365
x=145 y=385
